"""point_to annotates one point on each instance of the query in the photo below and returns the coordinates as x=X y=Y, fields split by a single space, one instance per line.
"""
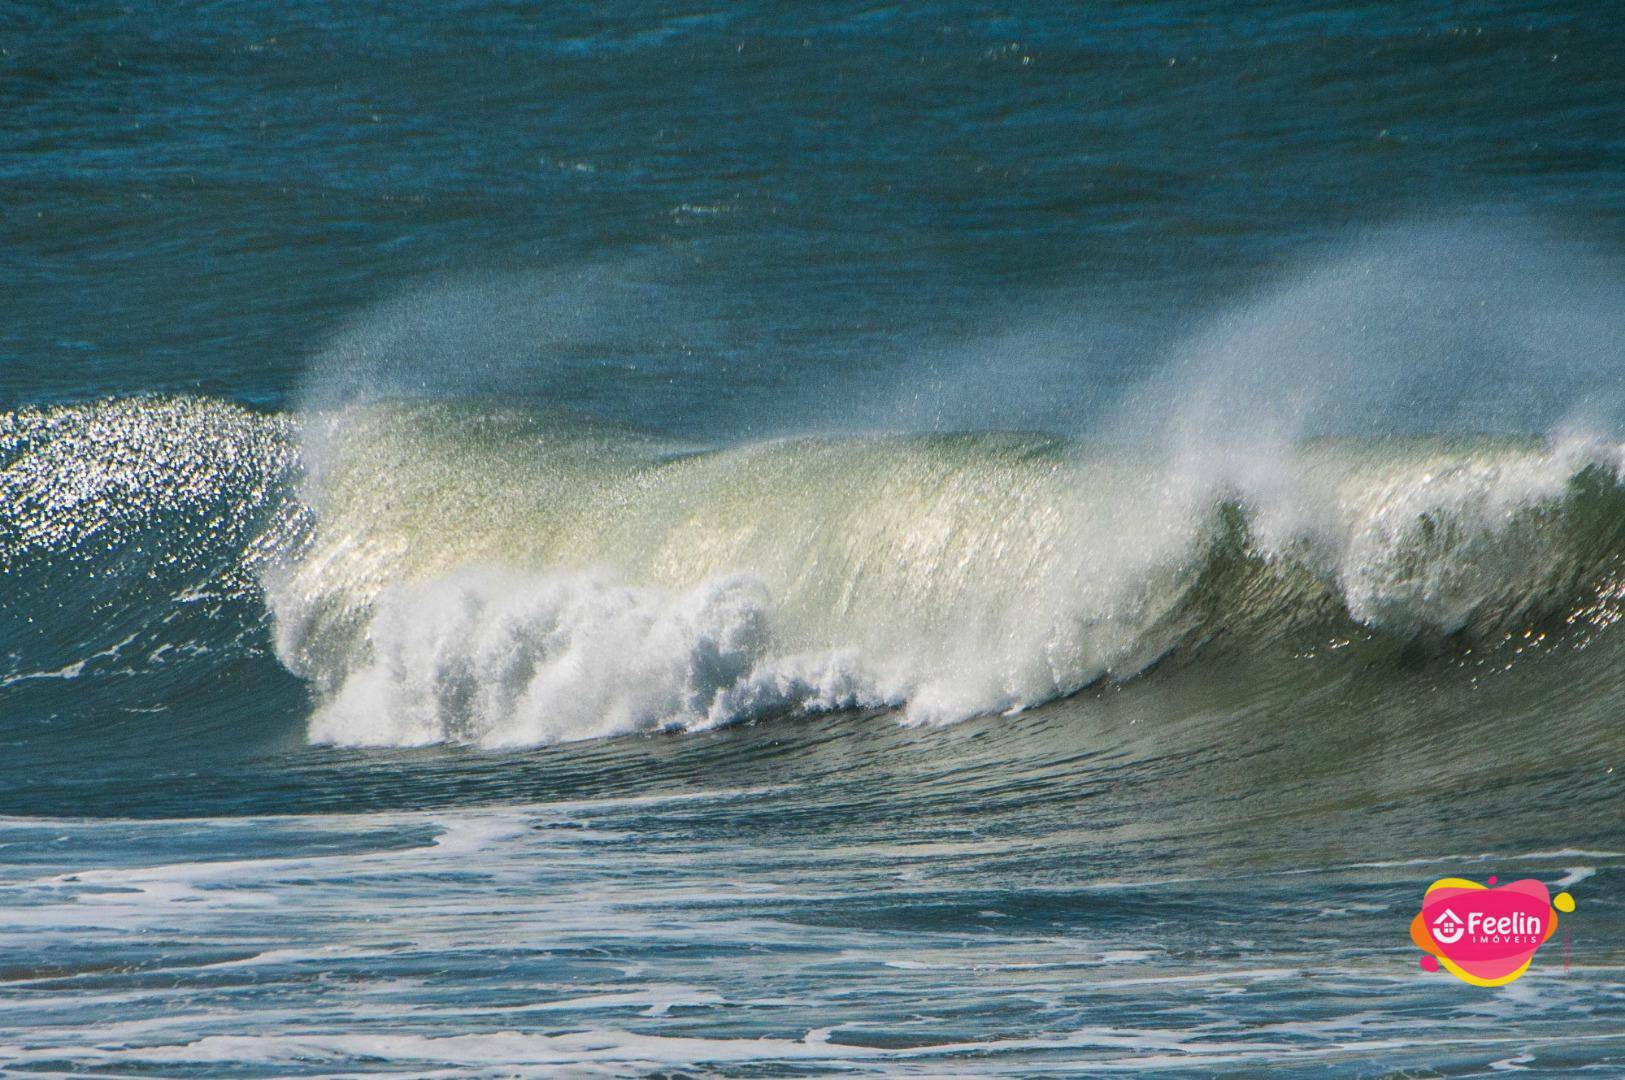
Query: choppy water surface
x=751 y=542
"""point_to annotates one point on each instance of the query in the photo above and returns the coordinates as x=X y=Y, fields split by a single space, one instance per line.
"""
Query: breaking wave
x=467 y=573
x=498 y=579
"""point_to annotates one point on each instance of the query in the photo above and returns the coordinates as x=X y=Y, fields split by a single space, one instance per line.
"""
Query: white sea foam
x=500 y=658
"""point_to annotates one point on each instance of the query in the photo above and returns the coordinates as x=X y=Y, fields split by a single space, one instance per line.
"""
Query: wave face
x=133 y=532
x=501 y=579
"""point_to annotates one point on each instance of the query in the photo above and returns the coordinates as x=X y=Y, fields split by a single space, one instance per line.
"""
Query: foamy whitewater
x=776 y=540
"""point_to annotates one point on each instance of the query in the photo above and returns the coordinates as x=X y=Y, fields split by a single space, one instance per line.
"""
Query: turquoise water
x=755 y=542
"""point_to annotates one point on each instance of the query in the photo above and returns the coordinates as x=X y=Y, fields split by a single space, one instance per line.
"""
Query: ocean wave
x=132 y=537
x=498 y=579
x=459 y=572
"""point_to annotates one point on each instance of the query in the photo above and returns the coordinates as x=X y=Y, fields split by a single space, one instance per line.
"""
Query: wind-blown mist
x=1310 y=464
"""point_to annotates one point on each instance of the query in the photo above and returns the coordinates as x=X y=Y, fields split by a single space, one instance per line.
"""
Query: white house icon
x=1447 y=928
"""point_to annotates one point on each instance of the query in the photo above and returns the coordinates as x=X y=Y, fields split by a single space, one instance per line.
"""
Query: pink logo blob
x=1485 y=936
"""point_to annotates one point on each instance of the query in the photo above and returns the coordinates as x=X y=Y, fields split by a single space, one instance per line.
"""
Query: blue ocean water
x=757 y=541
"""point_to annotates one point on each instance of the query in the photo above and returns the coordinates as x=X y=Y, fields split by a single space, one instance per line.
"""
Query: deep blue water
x=769 y=540
x=197 y=199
